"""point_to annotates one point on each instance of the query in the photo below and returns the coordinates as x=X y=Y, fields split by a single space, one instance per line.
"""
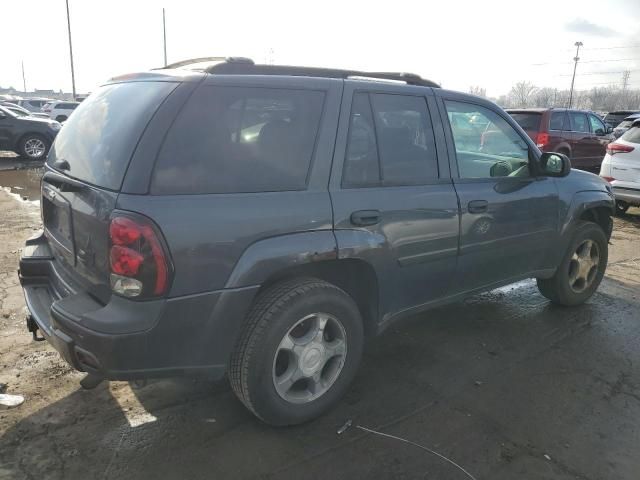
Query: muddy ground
x=505 y=384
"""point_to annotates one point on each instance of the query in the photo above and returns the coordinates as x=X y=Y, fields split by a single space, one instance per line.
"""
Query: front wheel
x=581 y=269
x=34 y=146
x=299 y=351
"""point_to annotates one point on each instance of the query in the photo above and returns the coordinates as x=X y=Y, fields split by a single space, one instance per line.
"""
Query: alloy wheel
x=583 y=266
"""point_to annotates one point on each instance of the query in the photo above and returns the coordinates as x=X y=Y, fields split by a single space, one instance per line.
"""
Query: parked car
x=59 y=111
x=579 y=134
x=28 y=136
x=18 y=110
x=621 y=168
x=625 y=125
x=33 y=104
x=613 y=119
x=262 y=220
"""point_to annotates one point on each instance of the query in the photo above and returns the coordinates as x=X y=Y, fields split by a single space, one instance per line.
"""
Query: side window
x=559 y=121
x=495 y=150
x=361 y=165
x=390 y=142
x=240 y=139
x=579 y=122
x=597 y=127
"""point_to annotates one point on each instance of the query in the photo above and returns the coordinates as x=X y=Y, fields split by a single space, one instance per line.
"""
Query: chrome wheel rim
x=309 y=358
x=583 y=266
x=34 y=147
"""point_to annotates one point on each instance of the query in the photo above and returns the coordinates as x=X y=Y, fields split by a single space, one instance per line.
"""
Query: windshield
x=98 y=140
x=528 y=121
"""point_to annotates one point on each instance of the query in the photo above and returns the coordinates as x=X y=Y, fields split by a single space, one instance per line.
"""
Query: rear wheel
x=581 y=269
x=621 y=207
x=299 y=351
x=34 y=146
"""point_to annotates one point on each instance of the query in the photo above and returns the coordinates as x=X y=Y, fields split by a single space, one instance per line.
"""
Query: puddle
x=25 y=183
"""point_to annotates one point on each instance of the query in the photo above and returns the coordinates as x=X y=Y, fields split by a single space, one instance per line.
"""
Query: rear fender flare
x=264 y=258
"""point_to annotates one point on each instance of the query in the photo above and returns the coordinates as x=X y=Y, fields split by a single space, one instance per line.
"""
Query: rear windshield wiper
x=64 y=183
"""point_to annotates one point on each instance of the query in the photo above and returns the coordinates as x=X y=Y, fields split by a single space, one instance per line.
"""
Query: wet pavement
x=505 y=384
x=23 y=182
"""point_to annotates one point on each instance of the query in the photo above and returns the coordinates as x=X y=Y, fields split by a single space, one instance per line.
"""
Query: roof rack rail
x=192 y=61
x=246 y=66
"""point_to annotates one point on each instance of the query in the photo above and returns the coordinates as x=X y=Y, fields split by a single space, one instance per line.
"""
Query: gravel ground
x=505 y=384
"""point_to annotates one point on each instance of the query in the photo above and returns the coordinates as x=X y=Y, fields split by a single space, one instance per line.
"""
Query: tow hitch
x=32 y=326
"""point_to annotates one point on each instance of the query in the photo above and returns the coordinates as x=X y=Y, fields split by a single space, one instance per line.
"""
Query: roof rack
x=246 y=66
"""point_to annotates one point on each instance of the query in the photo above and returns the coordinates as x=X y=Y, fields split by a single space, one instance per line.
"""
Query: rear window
x=559 y=121
x=528 y=121
x=614 y=119
x=240 y=139
x=99 y=138
x=632 y=135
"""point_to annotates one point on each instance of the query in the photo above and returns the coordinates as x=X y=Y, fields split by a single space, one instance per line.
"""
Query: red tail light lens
x=608 y=179
x=542 y=140
x=614 y=148
x=139 y=261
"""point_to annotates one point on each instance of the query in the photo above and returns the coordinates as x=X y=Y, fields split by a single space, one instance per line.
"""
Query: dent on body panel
x=267 y=257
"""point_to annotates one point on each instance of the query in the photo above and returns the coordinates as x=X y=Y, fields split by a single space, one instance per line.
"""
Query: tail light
x=139 y=262
x=608 y=179
x=614 y=148
x=542 y=140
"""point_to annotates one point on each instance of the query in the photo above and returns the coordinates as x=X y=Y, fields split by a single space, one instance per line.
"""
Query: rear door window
x=559 y=121
x=98 y=140
x=240 y=139
x=391 y=142
x=579 y=122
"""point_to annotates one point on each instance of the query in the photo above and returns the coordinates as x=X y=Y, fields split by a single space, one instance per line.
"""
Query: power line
x=611 y=72
x=587 y=61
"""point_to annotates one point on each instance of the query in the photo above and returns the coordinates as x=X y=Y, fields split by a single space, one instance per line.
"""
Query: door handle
x=478 y=206
x=364 y=218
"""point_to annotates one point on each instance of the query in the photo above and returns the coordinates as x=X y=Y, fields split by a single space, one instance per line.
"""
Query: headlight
x=55 y=126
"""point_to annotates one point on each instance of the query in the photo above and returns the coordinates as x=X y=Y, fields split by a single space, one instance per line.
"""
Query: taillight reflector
x=542 y=139
x=614 y=148
x=137 y=253
x=608 y=179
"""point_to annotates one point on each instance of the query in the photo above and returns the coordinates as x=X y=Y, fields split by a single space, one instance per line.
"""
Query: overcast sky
x=458 y=43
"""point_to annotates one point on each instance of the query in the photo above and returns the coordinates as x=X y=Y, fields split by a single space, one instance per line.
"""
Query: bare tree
x=521 y=93
x=543 y=97
x=479 y=91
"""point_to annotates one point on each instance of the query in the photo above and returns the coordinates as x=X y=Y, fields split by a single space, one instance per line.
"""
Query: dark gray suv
x=261 y=221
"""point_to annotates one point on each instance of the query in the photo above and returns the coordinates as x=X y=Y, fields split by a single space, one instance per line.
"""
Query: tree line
x=599 y=99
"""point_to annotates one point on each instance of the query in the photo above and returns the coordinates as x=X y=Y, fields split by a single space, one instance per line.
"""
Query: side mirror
x=609 y=129
x=555 y=164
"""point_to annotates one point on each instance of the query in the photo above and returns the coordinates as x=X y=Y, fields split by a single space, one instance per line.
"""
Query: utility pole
x=73 y=75
x=164 y=34
x=575 y=65
x=24 y=82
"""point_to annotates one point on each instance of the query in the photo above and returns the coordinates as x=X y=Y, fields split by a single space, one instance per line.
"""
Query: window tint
x=98 y=140
x=497 y=150
x=400 y=127
x=559 y=121
x=528 y=121
x=579 y=122
x=597 y=127
x=361 y=168
x=240 y=139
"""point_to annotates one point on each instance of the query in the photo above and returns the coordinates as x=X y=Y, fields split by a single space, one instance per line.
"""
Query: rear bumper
x=629 y=195
x=125 y=339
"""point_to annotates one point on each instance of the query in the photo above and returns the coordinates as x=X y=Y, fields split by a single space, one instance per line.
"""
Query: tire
x=61 y=118
x=275 y=327
x=561 y=288
x=34 y=146
x=621 y=208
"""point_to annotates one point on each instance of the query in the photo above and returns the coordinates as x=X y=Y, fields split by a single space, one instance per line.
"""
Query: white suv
x=59 y=111
x=621 y=168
